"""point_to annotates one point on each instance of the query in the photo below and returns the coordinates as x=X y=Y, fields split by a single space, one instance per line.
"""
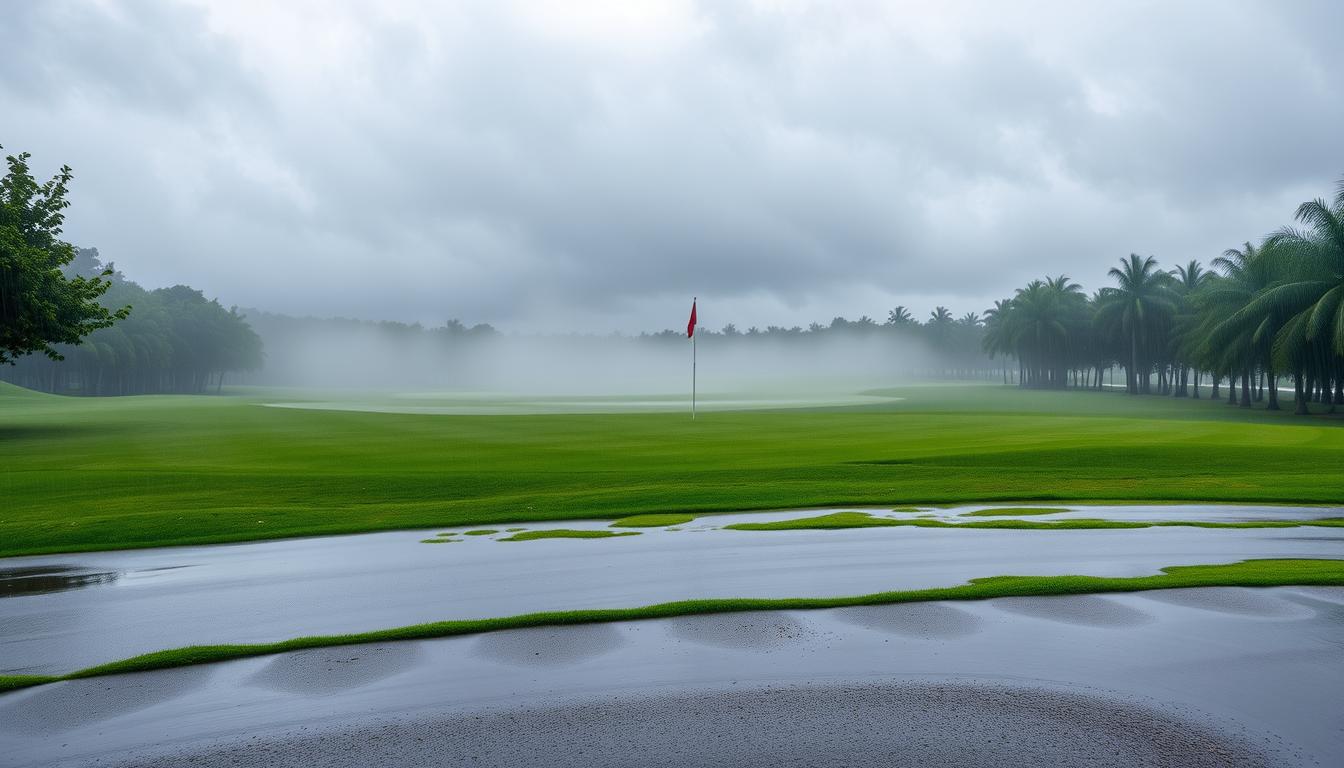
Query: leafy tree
x=39 y=305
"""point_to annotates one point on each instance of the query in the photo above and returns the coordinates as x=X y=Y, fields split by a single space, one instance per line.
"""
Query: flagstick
x=692 y=376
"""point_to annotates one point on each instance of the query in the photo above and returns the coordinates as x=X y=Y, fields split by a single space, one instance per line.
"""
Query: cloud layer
x=590 y=168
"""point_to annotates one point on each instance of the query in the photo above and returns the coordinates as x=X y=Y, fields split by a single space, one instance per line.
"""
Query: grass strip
x=440 y=541
x=1246 y=573
x=838 y=520
x=566 y=533
x=1013 y=511
x=481 y=532
x=652 y=521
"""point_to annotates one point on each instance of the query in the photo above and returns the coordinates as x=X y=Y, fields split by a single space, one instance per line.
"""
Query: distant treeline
x=947 y=347
x=1266 y=311
x=174 y=341
x=306 y=351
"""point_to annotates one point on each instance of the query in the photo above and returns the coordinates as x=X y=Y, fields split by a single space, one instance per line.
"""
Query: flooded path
x=1208 y=677
x=63 y=612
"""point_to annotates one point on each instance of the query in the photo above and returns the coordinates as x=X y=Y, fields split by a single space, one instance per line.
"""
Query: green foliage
x=1273 y=308
x=652 y=521
x=39 y=305
x=566 y=533
x=1247 y=573
x=176 y=341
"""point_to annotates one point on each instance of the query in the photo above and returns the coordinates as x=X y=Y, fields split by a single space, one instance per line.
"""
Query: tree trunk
x=1246 y=389
x=1132 y=385
x=1299 y=395
x=1272 y=382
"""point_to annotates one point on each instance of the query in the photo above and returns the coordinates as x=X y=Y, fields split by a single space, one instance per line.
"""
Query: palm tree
x=1139 y=307
x=1250 y=327
x=1189 y=279
x=900 y=316
x=996 y=339
x=1311 y=294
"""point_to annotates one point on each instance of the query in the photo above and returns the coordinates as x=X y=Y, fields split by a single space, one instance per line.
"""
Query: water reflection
x=38 y=580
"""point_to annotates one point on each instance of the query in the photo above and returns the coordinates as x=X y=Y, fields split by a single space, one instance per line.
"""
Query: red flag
x=690 y=327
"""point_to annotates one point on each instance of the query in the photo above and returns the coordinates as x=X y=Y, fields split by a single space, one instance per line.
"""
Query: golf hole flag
x=690 y=334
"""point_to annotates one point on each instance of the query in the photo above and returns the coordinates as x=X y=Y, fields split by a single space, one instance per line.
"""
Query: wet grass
x=1014 y=511
x=1247 y=573
x=838 y=520
x=481 y=532
x=80 y=474
x=440 y=541
x=566 y=533
x=652 y=521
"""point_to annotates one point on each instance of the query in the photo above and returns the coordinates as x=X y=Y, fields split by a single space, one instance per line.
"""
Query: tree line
x=172 y=340
x=1261 y=312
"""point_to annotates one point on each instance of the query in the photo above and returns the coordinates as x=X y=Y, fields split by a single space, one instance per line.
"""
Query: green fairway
x=841 y=520
x=1248 y=573
x=106 y=473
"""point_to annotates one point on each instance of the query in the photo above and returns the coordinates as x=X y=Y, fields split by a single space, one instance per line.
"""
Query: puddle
x=40 y=580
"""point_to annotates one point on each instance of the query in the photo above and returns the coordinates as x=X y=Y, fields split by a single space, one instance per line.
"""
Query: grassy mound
x=837 y=520
x=652 y=521
x=566 y=533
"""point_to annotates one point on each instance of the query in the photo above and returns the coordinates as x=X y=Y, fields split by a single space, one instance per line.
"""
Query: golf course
x=172 y=470
x=671 y=384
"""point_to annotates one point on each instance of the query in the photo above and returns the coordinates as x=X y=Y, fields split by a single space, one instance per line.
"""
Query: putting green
x=106 y=473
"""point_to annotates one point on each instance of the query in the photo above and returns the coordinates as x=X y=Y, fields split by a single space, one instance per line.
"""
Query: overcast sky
x=591 y=167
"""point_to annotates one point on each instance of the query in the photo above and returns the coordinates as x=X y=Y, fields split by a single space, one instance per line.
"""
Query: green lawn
x=87 y=474
x=842 y=520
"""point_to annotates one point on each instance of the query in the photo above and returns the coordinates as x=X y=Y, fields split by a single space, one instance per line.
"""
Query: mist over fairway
x=396 y=358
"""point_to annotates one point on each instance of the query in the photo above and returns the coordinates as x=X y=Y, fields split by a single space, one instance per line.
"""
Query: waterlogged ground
x=1207 y=677
x=63 y=612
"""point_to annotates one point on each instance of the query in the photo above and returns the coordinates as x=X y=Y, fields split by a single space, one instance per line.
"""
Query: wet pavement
x=63 y=612
x=1208 y=677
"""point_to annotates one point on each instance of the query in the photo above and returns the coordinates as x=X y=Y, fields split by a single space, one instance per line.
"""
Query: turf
x=837 y=520
x=652 y=521
x=481 y=532
x=1013 y=511
x=566 y=533
x=80 y=474
x=1247 y=573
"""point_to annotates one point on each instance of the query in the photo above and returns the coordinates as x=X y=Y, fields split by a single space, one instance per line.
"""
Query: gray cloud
x=553 y=164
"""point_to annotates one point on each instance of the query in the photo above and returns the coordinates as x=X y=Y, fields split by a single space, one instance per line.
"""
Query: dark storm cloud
x=523 y=163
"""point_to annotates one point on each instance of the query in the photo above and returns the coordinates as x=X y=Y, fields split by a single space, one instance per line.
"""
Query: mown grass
x=80 y=474
x=566 y=533
x=836 y=520
x=1247 y=573
x=652 y=521
x=1013 y=511
x=481 y=532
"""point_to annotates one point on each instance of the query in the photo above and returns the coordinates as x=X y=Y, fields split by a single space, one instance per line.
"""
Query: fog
x=346 y=355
